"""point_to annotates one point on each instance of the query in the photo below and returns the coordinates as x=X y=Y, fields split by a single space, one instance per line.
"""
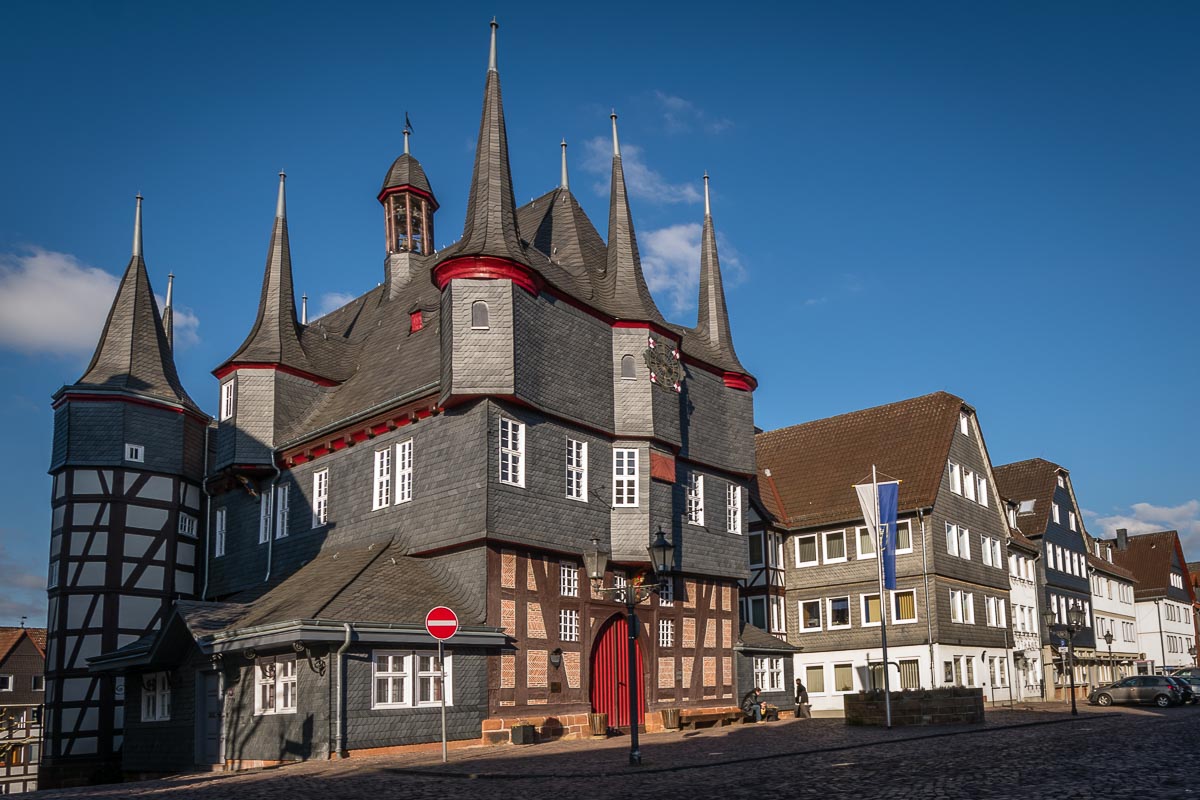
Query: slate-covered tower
x=128 y=463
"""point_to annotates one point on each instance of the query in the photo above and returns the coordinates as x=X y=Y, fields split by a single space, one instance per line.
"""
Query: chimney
x=1122 y=538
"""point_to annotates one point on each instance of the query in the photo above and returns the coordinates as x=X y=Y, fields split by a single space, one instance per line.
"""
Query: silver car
x=1138 y=689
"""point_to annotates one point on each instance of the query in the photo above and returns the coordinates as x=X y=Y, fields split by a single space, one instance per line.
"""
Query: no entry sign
x=441 y=622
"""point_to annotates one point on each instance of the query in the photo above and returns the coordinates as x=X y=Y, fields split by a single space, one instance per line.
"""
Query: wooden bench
x=704 y=718
x=770 y=715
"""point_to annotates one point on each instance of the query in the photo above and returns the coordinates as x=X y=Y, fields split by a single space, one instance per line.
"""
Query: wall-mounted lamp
x=556 y=657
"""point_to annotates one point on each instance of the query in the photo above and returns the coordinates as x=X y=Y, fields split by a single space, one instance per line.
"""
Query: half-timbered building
x=22 y=691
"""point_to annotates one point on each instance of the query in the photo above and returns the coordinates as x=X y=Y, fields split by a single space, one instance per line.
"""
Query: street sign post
x=442 y=623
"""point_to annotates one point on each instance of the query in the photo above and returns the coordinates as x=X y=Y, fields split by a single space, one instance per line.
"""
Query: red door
x=610 y=674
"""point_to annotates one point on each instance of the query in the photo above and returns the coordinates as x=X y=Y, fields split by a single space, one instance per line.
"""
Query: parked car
x=1157 y=689
x=1190 y=687
x=1186 y=672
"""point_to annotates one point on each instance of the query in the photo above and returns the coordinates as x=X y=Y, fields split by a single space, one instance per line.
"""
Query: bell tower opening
x=408 y=206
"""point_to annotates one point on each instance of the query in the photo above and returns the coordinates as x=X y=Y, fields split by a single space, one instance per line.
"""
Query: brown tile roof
x=11 y=637
x=1021 y=540
x=1035 y=480
x=1148 y=557
x=1102 y=563
x=814 y=465
x=1194 y=572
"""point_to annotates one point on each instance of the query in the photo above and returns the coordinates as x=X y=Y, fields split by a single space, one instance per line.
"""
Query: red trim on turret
x=221 y=372
x=487 y=268
x=736 y=380
x=405 y=187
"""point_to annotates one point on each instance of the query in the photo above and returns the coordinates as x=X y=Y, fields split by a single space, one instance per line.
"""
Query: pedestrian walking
x=802 y=708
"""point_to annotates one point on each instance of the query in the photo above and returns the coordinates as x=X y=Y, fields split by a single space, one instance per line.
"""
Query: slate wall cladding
x=23 y=663
x=717 y=422
x=670 y=409
x=631 y=525
x=245 y=561
x=294 y=399
x=700 y=550
x=166 y=745
x=561 y=356
x=785 y=700
x=368 y=727
x=95 y=434
x=1061 y=582
x=276 y=737
x=481 y=360
x=632 y=403
x=247 y=437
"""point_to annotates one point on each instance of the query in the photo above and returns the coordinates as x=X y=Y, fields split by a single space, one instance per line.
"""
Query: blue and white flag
x=885 y=525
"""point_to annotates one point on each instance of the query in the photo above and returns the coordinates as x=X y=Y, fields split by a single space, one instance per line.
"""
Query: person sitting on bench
x=752 y=705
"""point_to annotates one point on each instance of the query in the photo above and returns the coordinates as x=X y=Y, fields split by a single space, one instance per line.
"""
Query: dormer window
x=409 y=223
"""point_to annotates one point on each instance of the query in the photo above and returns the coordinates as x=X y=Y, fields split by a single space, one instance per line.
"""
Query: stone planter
x=524 y=734
x=670 y=718
x=598 y=723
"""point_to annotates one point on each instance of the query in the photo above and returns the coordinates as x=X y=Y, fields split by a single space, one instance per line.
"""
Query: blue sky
x=995 y=200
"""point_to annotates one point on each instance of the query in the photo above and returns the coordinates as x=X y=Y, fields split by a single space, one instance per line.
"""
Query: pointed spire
x=168 y=316
x=490 y=227
x=712 y=318
x=564 y=183
x=275 y=336
x=623 y=291
x=134 y=354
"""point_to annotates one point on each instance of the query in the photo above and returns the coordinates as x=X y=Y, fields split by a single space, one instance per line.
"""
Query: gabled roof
x=1018 y=539
x=1101 y=563
x=755 y=640
x=133 y=354
x=1035 y=480
x=556 y=226
x=11 y=637
x=813 y=466
x=1148 y=557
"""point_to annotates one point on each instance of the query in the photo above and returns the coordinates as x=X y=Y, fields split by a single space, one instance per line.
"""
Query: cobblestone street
x=1044 y=753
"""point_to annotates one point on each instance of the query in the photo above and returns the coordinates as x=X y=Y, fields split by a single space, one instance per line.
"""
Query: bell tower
x=408 y=210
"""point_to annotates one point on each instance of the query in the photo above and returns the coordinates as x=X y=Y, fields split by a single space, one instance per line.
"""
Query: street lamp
x=1075 y=620
x=662 y=554
x=1112 y=666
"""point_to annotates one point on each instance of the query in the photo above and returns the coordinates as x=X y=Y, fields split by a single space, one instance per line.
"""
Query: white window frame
x=952 y=538
x=1055 y=514
x=568 y=625
x=820 y=615
x=777 y=613
x=1071 y=520
x=825 y=547
x=733 y=508
x=905 y=524
x=833 y=684
x=320 y=509
x=420 y=676
x=576 y=470
x=666 y=633
x=265 y=517
x=404 y=472
x=896 y=618
x=695 y=499
x=816 y=550
x=956 y=485
x=568 y=579
x=381 y=486
x=625 y=477
x=278 y=673
x=768 y=673
x=189 y=525
x=512 y=452
x=6 y=683
x=135 y=453
x=228 y=399
x=399 y=667
x=666 y=594
x=283 y=493
x=862 y=610
x=220 y=524
x=982 y=496
x=969 y=485
x=829 y=614
x=964 y=543
x=964 y=423
x=156 y=697
x=859 y=532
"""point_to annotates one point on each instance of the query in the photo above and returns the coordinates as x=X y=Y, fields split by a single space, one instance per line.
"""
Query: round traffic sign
x=441 y=622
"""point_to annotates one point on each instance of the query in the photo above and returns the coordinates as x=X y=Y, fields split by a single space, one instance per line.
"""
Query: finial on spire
x=707 y=208
x=168 y=316
x=492 y=54
x=281 y=205
x=616 y=144
x=564 y=183
x=304 y=309
x=137 y=228
x=406 y=132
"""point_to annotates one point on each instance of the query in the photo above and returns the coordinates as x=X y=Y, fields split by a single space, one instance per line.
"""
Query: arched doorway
x=610 y=674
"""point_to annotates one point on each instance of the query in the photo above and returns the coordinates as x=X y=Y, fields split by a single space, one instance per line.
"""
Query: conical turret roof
x=712 y=318
x=407 y=171
x=133 y=354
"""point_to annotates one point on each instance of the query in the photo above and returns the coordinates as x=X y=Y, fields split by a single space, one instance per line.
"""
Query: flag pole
x=880 y=543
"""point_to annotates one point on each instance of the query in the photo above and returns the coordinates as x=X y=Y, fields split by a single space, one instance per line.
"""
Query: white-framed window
x=381 y=492
x=275 y=685
x=1054 y=513
x=956 y=484
x=983 y=491
x=568 y=625
x=904 y=542
x=866 y=543
x=958 y=541
x=156 y=697
x=904 y=606
x=135 y=452
x=666 y=633
x=733 y=510
x=1176 y=580
x=778 y=614
x=666 y=594
x=428 y=686
x=228 y=405
x=838 y=615
x=188 y=525
x=969 y=484
x=993 y=617
x=404 y=471
x=6 y=683
x=264 y=516
x=695 y=499
x=512 y=452
x=219 y=527
x=991 y=551
x=810 y=616
x=479 y=316
x=964 y=423
x=870 y=609
x=754 y=611
x=1062 y=481
x=52 y=579
x=392 y=680
x=843 y=678
x=320 y=513
x=625 y=477
x=1071 y=520
x=768 y=673
x=806 y=550
x=282 y=495
x=835 y=546
x=757 y=546
x=775 y=549
x=814 y=678
x=962 y=606
x=951 y=538
x=576 y=469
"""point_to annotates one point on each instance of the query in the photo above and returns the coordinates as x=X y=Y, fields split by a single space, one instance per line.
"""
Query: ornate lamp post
x=1112 y=665
x=1075 y=620
x=662 y=554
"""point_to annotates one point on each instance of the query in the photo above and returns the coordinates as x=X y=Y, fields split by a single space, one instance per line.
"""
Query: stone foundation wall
x=935 y=707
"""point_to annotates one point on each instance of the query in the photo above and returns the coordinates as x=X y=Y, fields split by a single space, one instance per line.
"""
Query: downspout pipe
x=339 y=722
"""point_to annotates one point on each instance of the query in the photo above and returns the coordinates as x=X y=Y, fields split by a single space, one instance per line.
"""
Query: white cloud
x=332 y=301
x=641 y=181
x=185 y=325
x=671 y=263
x=1146 y=518
x=682 y=115
x=52 y=303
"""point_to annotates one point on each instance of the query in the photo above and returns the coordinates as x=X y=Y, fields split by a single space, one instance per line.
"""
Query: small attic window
x=964 y=423
x=135 y=452
x=1062 y=481
x=628 y=372
x=479 y=316
x=415 y=321
x=1026 y=507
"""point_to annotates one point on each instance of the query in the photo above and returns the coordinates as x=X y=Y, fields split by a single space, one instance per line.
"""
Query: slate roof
x=133 y=354
x=1148 y=557
x=1021 y=540
x=11 y=637
x=556 y=226
x=814 y=465
x=1035 y=480
x=752 y=639
x=622 y=290
x=407 y=171
x=712 y=318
